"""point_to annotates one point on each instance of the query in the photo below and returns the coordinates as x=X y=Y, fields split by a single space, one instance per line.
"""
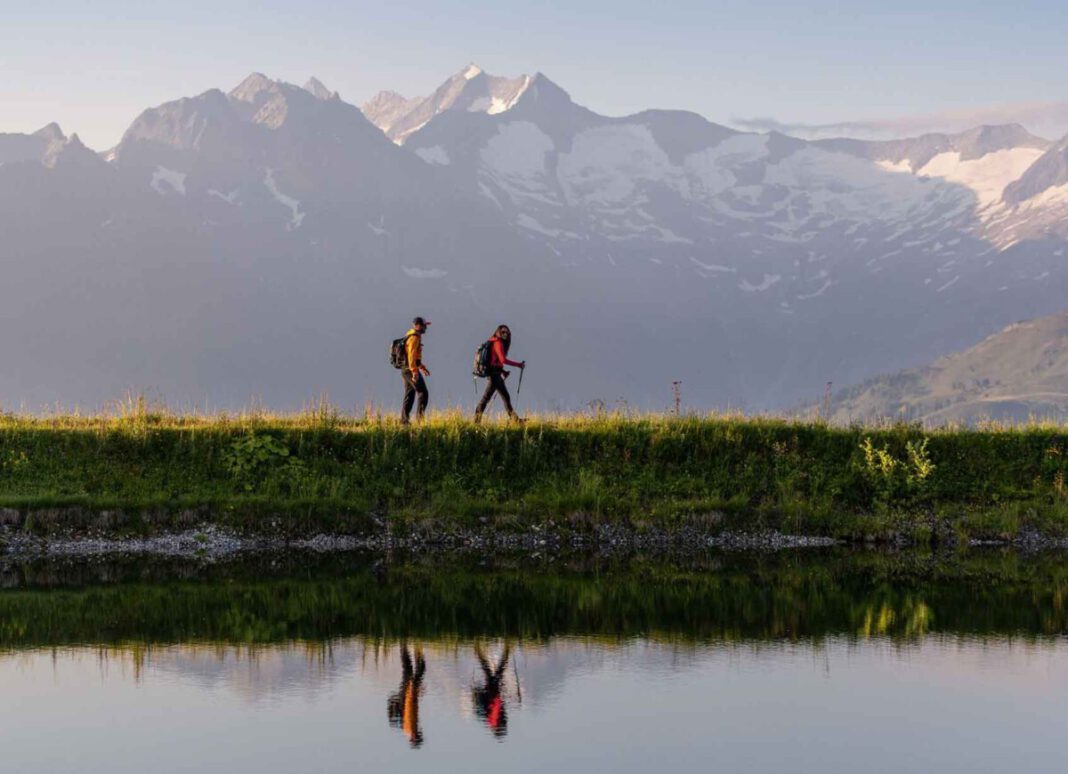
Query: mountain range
x=268 y=242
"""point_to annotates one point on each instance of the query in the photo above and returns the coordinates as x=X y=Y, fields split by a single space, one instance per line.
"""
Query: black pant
x=414 y=384
x=495 y=384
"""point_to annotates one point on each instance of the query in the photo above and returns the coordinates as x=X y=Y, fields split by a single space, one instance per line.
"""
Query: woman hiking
x=499 y=344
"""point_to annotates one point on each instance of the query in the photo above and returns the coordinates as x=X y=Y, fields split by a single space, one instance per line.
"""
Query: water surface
x=819 y=662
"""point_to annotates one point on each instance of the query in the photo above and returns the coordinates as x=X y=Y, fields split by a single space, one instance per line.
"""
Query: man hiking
x=413 y=372
x=498 y=346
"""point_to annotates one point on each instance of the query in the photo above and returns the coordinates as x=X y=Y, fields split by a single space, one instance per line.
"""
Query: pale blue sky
x=93 y=66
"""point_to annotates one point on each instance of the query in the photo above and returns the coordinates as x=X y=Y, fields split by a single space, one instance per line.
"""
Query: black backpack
x=398 y=352
x=483 y=358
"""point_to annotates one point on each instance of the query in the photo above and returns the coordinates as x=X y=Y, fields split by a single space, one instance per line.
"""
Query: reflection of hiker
x=490 y=362
x=488 y=702
x=403 y=706
x=414 y=370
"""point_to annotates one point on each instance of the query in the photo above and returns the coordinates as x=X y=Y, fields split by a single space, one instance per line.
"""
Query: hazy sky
x=93 y=65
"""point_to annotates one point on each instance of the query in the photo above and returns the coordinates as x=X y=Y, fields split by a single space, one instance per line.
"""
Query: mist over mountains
x=269 y=241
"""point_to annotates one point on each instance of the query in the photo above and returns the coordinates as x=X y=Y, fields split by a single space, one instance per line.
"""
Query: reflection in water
x=713 y=599
x=641 y=703
x=489 y=705
x=403 y=706
x=799 y=663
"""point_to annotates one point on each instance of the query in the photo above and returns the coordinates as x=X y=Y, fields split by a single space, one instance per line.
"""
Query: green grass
x=855 y=594
x=324 y=470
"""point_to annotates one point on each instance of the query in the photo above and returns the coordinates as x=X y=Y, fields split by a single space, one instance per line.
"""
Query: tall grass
x=646 y=469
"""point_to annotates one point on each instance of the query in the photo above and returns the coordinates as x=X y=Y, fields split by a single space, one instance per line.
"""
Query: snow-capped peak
x=473 y=90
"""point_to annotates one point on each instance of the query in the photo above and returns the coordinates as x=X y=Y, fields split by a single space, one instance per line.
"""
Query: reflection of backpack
x=398 y=353
x=483 y=358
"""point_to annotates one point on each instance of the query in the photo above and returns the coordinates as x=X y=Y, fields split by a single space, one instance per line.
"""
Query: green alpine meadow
x=143 y=470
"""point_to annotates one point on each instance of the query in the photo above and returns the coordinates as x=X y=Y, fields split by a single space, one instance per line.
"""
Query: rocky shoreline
x=210 y=542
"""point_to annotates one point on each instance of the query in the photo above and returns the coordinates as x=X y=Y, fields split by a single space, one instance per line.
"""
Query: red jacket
x=498 y=359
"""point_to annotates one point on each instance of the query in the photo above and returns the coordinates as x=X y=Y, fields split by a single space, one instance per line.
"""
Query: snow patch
x=499 y=105
x=485 y=191
x=837 y=185
x=816 y=294
x=163 y=176
x=713 y=267
x=230 y=198
x=472 y=71
x=986 y=176
x=416 y=273
x=767 y=282
x=514 y=159
x=288 y=201
x=904 y=166
x=436 y=155
x=709 y=170
x=525 y=221
x=949 y=284
x=607 y=163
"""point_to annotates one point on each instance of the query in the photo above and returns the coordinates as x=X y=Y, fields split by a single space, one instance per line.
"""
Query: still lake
x=800 y=662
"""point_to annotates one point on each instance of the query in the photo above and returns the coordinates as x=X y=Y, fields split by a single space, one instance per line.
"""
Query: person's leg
x=409 y=396
x=424 y=396
x=502 y=388
x=487 y=396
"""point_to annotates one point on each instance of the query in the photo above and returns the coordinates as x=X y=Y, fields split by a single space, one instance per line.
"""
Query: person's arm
x=500 y=357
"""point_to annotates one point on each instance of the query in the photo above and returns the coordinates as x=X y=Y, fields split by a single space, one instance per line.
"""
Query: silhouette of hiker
x=403 y=706
x=488 y=702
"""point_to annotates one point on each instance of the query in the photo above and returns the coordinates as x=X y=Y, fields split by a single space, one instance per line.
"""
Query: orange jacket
x=413 y=345
x=411 y=711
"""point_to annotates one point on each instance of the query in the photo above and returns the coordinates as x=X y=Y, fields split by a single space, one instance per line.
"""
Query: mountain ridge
x=239 y=239
x=1018 y=374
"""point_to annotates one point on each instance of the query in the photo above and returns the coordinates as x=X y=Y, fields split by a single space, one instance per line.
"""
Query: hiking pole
x=522 y=371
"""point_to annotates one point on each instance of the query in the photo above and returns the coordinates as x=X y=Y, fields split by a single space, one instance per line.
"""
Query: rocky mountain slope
x=265 y=242
x=1017 y=374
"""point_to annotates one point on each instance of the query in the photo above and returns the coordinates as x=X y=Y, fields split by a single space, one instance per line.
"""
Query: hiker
x=414 y=371
x=489 y=705
x=496 y=349
x=403 y=706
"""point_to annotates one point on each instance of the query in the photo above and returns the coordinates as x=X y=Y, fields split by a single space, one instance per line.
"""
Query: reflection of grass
x=732 y=599
x=320 y=469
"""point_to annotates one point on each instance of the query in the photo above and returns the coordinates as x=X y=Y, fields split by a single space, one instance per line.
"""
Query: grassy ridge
x=334 y=471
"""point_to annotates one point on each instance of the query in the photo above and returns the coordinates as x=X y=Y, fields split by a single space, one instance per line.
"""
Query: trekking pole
x=519 y=388
x=515 y=669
